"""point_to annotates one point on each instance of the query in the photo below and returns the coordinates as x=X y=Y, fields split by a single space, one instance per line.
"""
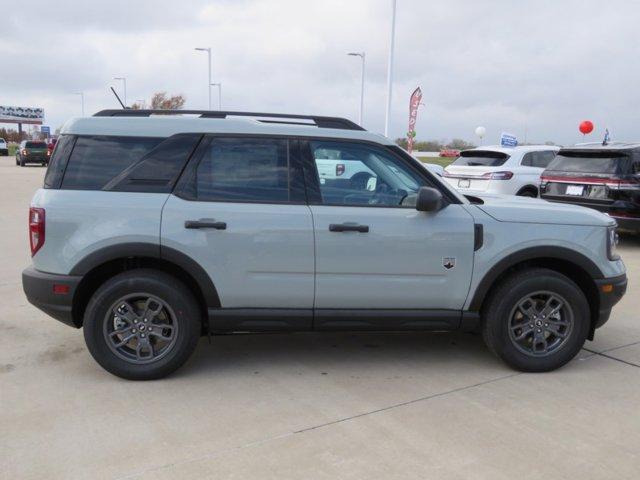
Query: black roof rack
x=321 y=122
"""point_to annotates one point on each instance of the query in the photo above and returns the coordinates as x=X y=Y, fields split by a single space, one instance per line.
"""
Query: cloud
x=541 y=66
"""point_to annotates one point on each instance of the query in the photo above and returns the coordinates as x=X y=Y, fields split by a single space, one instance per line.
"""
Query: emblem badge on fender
x=448 y=262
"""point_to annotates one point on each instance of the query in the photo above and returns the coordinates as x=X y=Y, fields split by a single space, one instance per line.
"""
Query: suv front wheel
x=536 y=320
x=142 y=324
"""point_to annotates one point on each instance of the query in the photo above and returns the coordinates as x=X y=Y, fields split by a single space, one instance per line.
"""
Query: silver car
x=152 y=230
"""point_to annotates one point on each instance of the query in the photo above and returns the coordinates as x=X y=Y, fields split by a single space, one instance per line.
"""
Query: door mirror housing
x=429 y=200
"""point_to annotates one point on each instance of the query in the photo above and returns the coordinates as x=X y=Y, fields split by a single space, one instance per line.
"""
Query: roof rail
x=321 y=122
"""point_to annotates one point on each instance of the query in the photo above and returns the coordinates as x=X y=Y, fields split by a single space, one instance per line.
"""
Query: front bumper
x=610 y=291
x=39 y=289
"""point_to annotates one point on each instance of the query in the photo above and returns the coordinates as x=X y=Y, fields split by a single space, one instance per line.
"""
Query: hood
x=509 y=208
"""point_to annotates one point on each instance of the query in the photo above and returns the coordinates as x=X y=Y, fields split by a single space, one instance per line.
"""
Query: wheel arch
x=528 y=188
x=576 y=266
x=102 y=264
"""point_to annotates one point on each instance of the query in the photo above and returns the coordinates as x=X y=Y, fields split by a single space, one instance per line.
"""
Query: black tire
x=184 y=310
x=22 y=163
x=500 y=328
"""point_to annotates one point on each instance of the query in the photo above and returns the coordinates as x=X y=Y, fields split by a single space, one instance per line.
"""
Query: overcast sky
x=535 y=66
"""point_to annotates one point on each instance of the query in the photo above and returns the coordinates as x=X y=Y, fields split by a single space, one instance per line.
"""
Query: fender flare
x=531 y=253
x=155 y=251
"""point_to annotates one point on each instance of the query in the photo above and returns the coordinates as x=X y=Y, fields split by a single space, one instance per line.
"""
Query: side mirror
x=429 y=200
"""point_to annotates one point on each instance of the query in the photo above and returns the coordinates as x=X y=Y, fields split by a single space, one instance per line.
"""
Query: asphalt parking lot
x=348 y=406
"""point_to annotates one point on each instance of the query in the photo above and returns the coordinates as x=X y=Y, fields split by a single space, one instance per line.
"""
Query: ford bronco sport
x=154 y=228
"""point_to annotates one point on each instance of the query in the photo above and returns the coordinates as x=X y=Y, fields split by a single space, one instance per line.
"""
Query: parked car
x=32 y=152
x=4 y=149
x=51 y=144
x=511 y=171
x=150 y=231
x=606 y=178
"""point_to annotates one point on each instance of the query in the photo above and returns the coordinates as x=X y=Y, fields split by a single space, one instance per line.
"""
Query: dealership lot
x=308 y=406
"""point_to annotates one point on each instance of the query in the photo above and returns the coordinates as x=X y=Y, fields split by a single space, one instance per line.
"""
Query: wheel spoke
x=528 y=311
x=121 y=331
x=125 y=312
x=124 y=341
x=551 y=306
x=157 y=332
x=526 y=331
x=151 y=309
x=555 y=330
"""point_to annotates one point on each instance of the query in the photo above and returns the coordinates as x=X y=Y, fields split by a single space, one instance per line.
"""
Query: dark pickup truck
x=603 y=177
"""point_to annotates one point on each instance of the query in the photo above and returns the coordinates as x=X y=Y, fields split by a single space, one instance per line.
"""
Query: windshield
x=586 y=162
x=36 y=145
x=480 y=158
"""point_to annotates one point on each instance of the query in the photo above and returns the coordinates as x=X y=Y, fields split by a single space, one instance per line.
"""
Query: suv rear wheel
x=536 y=320
x=142 y=324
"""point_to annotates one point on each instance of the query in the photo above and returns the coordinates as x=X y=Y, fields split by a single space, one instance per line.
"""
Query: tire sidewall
x=161 y=285
x=503 y=304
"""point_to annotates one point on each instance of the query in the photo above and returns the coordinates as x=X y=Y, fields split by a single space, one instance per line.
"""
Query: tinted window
x=58 y=161
x=244 y=170
x=97 y=160
x=36 y=145
x=359 y=174
x=587 y=162
x=159 y=169
x=477 y=158
x=538 y=159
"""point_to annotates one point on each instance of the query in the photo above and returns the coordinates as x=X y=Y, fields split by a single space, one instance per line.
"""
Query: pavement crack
x=602 y=354
x=409 y=402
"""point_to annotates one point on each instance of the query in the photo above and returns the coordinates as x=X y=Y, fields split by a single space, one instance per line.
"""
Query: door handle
x=203 y=223
x=348 y=227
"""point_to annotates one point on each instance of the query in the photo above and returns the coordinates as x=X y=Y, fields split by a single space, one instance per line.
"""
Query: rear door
x=239 y=211
x=374 y=250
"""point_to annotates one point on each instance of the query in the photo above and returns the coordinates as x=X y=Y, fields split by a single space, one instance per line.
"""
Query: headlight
x=612 y=244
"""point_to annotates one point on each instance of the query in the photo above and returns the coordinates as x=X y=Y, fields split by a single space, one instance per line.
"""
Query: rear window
x=244 y=170
x=480 y=158
x=35 y=145
x=587 y=162
x=58 y=161
x=95 y=161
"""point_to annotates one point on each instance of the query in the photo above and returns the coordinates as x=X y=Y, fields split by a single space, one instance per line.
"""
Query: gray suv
x=154 y=228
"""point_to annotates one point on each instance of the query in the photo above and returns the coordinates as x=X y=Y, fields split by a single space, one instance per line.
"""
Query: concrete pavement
x=348 y=406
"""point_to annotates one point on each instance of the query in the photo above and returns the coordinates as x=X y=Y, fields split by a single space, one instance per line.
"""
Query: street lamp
x=219 y=85
x=81 y=99
x=124 y=82
x=362 y=56
x=208 y=50
x=390 y=68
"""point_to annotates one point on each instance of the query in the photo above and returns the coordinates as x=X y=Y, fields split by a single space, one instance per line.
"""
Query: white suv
x=510 y=171
x=4 y=150
x=151 y=230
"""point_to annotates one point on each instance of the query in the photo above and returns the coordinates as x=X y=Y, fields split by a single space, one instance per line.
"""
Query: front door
x=373 y=249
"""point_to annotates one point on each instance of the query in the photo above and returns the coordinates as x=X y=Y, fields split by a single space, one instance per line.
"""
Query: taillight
x=498 y=175
x=339 y=169
x=24 y=151
x=36 y=229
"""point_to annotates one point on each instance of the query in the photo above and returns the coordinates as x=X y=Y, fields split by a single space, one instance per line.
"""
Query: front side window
x=95 y=161
x=244 y=170
x=360 y=174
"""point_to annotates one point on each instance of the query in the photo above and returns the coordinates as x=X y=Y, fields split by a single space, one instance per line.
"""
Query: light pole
x=124 y=83
x=362 y=56
x=208 y=50
x=390 y=68
x=82 y=100
x=219 y=85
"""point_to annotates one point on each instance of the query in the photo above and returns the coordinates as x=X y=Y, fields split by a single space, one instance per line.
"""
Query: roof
x=518 y=149
x=166 y=125
x=609 y=146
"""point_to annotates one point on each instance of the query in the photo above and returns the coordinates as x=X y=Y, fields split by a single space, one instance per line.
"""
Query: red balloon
x=586 y=127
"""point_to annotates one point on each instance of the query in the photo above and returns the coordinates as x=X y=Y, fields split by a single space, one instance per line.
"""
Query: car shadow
x=323 y=352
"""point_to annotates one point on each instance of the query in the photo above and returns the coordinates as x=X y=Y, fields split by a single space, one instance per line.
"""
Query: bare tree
x=161 y=101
